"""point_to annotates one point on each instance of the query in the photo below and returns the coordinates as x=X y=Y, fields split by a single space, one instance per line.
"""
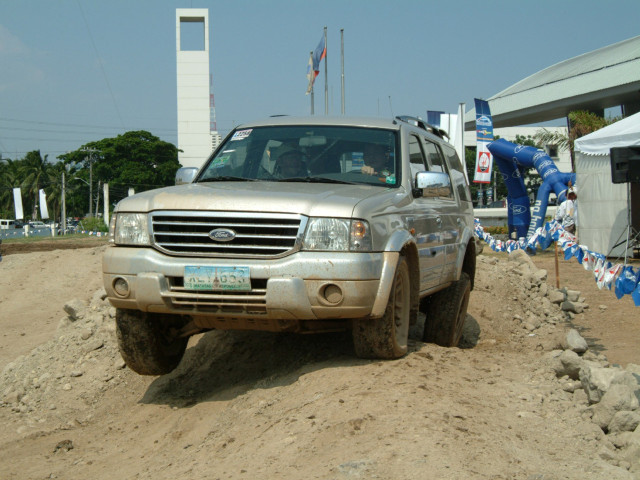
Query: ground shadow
x=221 y=365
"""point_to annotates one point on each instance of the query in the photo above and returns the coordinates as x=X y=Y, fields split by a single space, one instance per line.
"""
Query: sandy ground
x=247 y=405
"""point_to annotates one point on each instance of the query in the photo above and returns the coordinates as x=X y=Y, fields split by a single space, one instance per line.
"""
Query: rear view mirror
x=433 y=184
x=185 y=175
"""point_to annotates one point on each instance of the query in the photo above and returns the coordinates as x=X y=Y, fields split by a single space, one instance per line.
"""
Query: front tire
x=446 y=312
x=387 y=337
x=147 y=343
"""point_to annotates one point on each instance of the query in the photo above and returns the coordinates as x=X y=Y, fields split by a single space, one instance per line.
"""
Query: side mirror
x=433 y=184
x=185 y=175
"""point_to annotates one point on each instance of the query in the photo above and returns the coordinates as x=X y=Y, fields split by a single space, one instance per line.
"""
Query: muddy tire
x=445 y=313
x=387 y=337
x=145 y=341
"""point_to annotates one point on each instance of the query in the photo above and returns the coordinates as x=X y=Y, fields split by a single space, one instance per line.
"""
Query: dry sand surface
x=247 y=405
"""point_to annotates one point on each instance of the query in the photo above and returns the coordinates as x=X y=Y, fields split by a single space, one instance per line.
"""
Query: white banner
x=17 y=200
x=44 y=213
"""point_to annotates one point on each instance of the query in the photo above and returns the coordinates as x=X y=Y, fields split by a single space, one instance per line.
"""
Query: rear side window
x=458 y=176
x=434 y=157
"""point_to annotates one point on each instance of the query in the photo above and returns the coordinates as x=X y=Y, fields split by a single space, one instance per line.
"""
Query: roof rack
x=418 y=122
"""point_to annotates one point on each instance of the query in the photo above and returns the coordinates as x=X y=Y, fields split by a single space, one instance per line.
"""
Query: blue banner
x=484 y=136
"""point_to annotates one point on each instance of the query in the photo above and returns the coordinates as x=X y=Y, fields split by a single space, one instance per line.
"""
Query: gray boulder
x=575 y=342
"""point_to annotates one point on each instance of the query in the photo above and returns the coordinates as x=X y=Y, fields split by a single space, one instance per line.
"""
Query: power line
x=104 y=74
x=58 y=124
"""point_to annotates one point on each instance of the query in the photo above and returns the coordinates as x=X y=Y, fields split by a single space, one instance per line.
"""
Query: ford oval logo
x=222 y=235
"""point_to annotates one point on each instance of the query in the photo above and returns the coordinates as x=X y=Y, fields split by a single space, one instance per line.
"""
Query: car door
x=422 y=218
x=451 y=224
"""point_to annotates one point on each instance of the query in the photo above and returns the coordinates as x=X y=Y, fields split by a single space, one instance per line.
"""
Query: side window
x=434 y=157
x=458 y=176
x=436 y=161
x=416 y=157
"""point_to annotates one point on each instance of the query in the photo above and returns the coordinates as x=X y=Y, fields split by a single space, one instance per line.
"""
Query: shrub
x=94 y=224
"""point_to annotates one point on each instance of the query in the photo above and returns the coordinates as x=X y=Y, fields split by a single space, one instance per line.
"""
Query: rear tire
x=446 y=312
x=146 y=342
x=387 y=337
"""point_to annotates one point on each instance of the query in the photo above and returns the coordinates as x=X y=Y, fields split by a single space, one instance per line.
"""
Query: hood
x=312 y=199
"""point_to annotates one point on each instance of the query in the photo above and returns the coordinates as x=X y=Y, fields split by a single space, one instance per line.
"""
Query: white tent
x=604 y=206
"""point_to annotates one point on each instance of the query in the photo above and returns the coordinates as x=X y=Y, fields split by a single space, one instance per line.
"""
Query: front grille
x=252 y=302
x=256 y=235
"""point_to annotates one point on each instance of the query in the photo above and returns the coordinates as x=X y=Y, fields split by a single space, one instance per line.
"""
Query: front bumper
x=302 y=286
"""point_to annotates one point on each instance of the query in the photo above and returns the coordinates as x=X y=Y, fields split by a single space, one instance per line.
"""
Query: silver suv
x=298 y=225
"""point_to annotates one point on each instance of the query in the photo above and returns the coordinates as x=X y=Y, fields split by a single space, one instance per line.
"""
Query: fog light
x=121 y=287
x=332 y=294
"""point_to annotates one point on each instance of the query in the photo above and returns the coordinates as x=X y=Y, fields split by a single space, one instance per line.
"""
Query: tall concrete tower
x=194 y=111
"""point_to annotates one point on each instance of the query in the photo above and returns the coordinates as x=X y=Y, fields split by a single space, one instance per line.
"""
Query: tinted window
x=307 y=153
x=458 y=176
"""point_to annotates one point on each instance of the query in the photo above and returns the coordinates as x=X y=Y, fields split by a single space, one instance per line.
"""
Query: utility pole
x=90 y=151
x=63 y=219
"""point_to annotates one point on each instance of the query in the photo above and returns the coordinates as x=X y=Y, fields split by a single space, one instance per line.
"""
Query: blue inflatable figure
x=512 y=159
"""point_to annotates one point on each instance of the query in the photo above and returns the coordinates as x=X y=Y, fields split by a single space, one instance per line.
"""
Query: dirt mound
x=261 y=405
x=46 y=245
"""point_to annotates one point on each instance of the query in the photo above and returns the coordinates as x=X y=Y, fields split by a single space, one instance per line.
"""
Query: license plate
x=217 y=278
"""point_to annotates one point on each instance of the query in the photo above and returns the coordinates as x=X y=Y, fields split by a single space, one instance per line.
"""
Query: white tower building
x=194 y=111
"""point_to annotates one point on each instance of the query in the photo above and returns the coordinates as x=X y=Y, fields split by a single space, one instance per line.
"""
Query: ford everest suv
x=298 y=225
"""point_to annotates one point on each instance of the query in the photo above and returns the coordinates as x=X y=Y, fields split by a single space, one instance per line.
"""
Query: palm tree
x=9 y=179
x=34 y=171
x=581 y=123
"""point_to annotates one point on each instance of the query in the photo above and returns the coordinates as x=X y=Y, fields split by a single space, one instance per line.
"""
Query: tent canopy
x=624 y=133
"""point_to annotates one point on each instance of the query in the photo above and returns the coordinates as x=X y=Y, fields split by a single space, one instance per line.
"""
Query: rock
x=573 y=295
x=556 y=296
x=618 y=398
x=538 y=277
x=624 y=421
x=575 y=342
x=75 y=309
x=569 y=364
x=572 y=306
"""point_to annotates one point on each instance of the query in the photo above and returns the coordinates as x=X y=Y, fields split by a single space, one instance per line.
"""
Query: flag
x=433 y=118
x=44 y=212
x=319 y=53
x=313 y=69
x=311 y=74
x=17 y=199
x=484 y=136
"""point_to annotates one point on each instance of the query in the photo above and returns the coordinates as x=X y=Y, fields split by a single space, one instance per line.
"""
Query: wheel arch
x=410 y=252
x=469 y=261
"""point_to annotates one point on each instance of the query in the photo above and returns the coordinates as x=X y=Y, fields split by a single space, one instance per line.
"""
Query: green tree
x=9 y=179
x=34 y=172
x=135 y=159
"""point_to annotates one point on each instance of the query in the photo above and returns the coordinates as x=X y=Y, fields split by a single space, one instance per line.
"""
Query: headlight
x=337 y=234
x=129 y=229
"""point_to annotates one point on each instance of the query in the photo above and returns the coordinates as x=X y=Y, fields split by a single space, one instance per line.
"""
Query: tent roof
x=603 y=78
x=623 y=133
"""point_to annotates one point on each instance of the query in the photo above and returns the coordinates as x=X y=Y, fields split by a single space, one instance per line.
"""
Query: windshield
x=352 y=155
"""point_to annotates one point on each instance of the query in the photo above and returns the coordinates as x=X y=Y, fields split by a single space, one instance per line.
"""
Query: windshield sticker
x=391 y=179
x=241 y=135
x=220 y=161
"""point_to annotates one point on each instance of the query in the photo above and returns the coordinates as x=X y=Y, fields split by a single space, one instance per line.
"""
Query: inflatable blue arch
x=512 y=160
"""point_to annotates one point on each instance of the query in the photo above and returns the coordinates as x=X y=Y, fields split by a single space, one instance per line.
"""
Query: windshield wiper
x=316 y=180
x=226 y=178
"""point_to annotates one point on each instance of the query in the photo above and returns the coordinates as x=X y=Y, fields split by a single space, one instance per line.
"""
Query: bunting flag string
x=622 y=278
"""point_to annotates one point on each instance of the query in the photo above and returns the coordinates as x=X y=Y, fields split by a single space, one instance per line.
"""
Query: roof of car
x=375 y=122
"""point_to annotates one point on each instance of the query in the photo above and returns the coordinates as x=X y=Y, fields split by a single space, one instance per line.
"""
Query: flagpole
x=326 y=82
x=311 y=73
x=342 y=63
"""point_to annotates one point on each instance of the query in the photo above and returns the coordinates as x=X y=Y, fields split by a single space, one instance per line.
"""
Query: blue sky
x=75 y=71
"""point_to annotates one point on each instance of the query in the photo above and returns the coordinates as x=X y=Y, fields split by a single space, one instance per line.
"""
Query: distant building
x=196 y=132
